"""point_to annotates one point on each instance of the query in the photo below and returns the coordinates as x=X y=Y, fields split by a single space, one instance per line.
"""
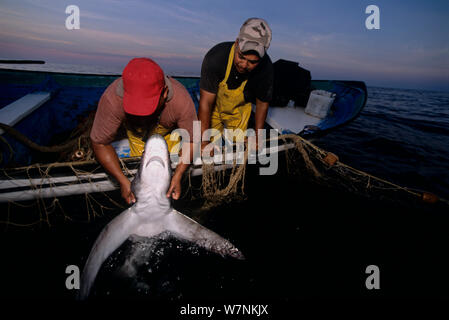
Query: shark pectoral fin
x=111 y=237
x=191 y=230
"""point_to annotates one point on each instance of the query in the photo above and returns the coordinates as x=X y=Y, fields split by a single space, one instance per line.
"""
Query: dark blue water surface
x=401 y=135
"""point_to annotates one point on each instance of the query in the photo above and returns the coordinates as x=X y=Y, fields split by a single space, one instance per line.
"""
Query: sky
x=327 y=37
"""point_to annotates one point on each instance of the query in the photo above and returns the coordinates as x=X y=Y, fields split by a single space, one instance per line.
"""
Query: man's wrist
x=123 y=180
x=177 y=176
x=180 y=169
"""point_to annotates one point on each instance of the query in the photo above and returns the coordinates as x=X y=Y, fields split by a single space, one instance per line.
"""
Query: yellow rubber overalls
x=136 y=145
x=231 y=111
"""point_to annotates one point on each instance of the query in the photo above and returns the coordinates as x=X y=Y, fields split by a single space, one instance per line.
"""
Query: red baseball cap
x=143 y=81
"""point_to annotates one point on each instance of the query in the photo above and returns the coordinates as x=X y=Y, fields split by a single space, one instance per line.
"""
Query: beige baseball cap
x=255 y=34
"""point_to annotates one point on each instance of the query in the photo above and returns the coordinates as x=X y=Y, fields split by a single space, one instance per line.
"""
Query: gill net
x=307 y=161
x=72 y=155
x=219 y=186
x=44 y=211
x=77 y=146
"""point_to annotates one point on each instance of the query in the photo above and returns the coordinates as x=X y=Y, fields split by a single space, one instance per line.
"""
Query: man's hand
x=107 y=157
x=209 y=147
x=252 y=143
x=127 y=194
x=174 y=190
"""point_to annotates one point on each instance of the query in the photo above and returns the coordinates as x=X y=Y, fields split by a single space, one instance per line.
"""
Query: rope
x=77 y=148
x=342 y=169
x=23 y=139
x=212 y=182
x=11 y=151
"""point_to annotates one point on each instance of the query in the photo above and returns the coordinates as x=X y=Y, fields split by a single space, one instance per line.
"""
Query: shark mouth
x=157 y=159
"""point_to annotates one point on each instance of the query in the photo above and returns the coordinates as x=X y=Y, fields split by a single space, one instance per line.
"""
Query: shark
x=151 y=215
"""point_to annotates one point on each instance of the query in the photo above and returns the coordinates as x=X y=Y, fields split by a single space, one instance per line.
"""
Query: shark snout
x=156 y=147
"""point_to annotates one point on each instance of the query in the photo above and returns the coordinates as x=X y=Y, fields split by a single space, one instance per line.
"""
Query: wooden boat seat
x=19 y=109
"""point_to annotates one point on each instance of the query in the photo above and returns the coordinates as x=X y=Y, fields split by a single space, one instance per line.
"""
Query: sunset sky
x=327 y=37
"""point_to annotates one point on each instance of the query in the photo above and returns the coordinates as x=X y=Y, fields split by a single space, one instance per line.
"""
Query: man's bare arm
x=174 y=190
x=207 y=100
x=260 y=116
x=107 y=157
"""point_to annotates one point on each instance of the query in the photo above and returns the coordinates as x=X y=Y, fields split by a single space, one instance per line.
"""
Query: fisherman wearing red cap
x=143 y=101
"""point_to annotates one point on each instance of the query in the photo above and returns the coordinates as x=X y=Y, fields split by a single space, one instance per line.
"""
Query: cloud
x=95 y=16
x=6 y=12
x=26 y=36
x=336 y=55
x=300 y=45
x=179 y=13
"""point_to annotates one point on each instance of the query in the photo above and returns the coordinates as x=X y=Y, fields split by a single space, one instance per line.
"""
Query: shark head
x=154 y=174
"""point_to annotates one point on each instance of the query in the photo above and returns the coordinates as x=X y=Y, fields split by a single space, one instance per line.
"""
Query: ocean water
x=401 y=135
x=65 y=68
x=87 y=69
x=301 y=241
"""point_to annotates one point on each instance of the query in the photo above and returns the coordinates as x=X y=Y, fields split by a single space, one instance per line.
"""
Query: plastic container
x=121 y=148
x=319 y=104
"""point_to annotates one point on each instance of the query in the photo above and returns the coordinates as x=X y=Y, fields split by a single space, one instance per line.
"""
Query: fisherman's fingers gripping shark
x=151 y=215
